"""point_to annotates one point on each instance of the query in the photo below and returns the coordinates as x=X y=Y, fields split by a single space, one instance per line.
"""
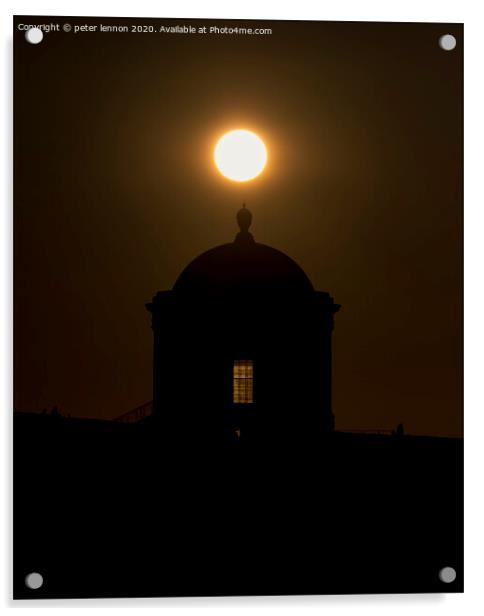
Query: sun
x=240 y=155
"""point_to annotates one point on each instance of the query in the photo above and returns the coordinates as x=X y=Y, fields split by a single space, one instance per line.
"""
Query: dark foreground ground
x=112 y=510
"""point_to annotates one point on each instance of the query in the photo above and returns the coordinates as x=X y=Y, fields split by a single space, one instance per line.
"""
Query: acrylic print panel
x=238 y=307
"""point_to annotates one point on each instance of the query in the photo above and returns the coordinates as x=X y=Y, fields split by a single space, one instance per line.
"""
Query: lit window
x=243 y=381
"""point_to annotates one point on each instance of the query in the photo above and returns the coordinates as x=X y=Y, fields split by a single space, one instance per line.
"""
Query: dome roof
x=243 y=266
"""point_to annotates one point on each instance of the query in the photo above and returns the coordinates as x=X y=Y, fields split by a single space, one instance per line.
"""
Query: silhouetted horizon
x=383 y=431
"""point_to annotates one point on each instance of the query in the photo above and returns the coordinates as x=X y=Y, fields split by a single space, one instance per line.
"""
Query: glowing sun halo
x=240 y=155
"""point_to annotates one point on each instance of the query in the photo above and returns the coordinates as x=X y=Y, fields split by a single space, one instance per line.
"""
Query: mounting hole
x=34 y=35
x=34 y=581
x=447 y=575
x=447 y=42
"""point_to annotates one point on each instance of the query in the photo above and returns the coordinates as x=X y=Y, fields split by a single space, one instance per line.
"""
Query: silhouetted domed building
x=242 y=347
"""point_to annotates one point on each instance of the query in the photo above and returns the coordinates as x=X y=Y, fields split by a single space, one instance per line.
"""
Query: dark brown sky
x=115 y=192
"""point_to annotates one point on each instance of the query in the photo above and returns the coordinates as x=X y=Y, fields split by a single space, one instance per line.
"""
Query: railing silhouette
x=369 y=431
x=140 y=412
